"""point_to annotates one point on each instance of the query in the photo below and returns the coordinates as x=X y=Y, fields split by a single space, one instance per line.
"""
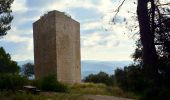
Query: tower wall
x=57 y=47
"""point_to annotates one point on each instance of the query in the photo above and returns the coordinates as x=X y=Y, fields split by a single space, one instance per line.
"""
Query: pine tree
x=5 y=16
x=6 y=64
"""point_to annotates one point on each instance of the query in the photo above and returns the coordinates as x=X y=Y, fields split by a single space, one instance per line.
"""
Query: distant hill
x=94 y=66
x=20 y=63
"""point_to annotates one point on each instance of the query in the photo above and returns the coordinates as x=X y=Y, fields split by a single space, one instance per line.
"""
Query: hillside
x=95 y=66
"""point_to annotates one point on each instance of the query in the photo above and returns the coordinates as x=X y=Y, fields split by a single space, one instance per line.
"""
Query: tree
x=6 y=64
x=159 y=34
x=146 y=34
x=130 y=78
x=28 y=69
x=5 y=16
x=154 y=39
x=152 y=52
x=101 y=77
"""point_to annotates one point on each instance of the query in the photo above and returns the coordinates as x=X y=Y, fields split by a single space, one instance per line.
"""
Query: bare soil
x=101 y=97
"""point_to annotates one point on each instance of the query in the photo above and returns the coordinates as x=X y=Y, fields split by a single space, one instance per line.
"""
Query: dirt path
x=100 y=97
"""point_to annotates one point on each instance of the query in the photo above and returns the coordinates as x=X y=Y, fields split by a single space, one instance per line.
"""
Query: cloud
x=28 y=14
x=14 y=38
x=91 y=25
x=107 y=53
x=19 y=50
x=38 y=3
x=19 y=44
x=19 y=5
x=25 y=26
x=99 y=39
x=82 y=13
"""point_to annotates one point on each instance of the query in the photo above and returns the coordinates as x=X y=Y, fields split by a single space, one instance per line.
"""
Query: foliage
x=162 y=30
x=12 y=81
x=77 y=92
x=6 y=95
x=50 y=83
x=28 y=69
x=6 y=64
x=101 y=77
x=131 y=78
x=99 y=89
x=150 y=77
x=90 y=88
x=156 y=93
x=5 y=16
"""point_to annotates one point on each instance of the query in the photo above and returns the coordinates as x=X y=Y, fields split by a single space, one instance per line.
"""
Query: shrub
x=101 y=77
x=28 y=69
x=131 y=78
x=156 y=93
x=7 y=65
x=12 y=81
x=90 y=88
x=50 y=83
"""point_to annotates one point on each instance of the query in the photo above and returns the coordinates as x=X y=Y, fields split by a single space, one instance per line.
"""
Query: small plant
x=50 y=83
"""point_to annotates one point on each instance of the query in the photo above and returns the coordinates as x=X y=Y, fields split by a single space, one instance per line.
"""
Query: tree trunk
x=147 y=36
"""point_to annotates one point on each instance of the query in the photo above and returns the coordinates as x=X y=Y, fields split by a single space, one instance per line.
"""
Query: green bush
x=131 y=78
x=12 y=81
x=156 y=93
x=90 y=88
x=7 y=65
x=101 y=77
x=50 y=83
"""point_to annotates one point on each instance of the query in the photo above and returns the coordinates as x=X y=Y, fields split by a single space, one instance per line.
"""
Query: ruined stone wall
x=57 y=47
x=44 y=54
x=68 y=49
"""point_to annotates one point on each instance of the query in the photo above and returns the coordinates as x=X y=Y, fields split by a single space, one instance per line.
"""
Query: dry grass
x=42 y=96
x=99 y=89
x=76 y=92
x=89 y=88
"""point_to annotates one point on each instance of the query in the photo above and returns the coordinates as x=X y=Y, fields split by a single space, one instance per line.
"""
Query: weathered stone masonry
x=57 y=47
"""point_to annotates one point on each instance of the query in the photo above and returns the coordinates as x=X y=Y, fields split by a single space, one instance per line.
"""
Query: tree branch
x=118 y=9
x=164 y=4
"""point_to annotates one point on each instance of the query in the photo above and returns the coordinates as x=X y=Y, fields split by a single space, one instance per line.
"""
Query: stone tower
x=57 y=47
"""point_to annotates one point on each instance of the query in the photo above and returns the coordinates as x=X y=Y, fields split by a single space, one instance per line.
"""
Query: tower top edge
x=56 y=13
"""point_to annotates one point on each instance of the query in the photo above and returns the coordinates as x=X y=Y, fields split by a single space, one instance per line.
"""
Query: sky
x=100 y=39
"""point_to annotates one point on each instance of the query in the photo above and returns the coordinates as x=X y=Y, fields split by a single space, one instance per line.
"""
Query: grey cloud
x=13 y=47
x=29 y=14
x=83 y=14
x=90 y=31
x=39 y=3
x=27 y=35
x=23 y=20
x=27 y=25
x=119 y=19
x=104 y=41
x=95 y=1
x=114 y=43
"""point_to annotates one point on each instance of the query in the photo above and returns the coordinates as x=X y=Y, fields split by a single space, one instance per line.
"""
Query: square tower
x=57 y=47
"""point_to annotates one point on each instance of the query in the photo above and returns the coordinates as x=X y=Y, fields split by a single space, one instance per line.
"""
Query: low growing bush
x=50 y=83
x=12 y=81
x=101 y=77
